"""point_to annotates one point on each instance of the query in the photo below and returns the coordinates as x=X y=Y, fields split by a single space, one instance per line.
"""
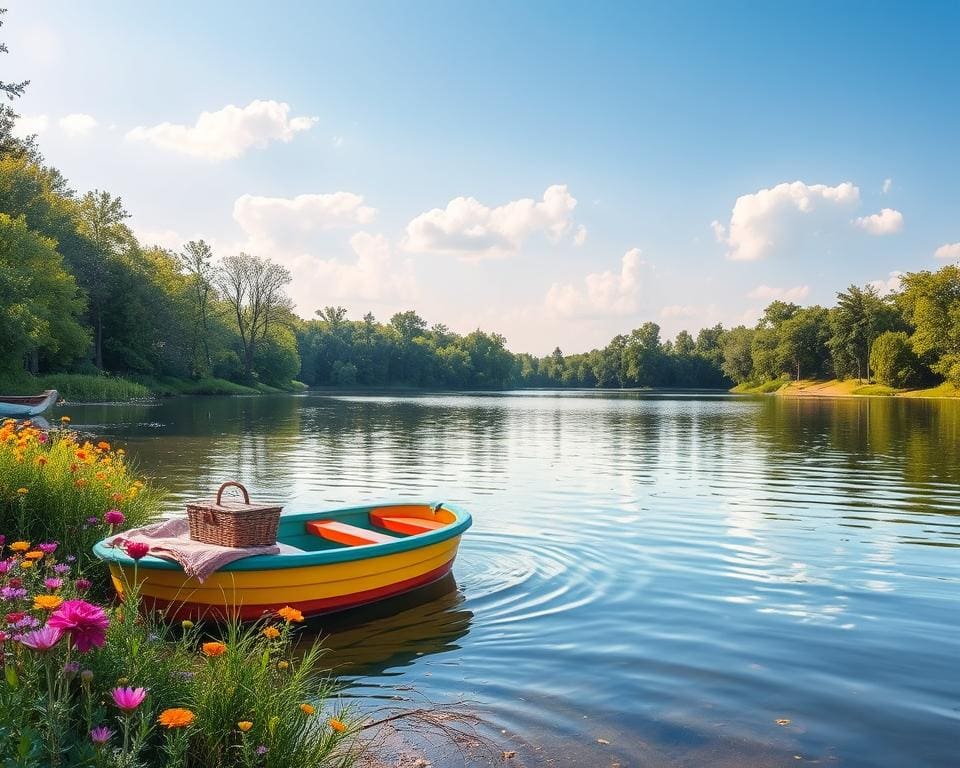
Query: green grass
x=875 y=390
x=764 y=387
x=75 y=386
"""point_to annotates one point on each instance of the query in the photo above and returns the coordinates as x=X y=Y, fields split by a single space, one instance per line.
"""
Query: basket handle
x=235 y=484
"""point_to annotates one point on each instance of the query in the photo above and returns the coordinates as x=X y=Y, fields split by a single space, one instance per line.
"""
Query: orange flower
x=80 y=483
x=281 y=665
x=41 y=460
x=20 y=546
x=214 y=649
x=337 y=725
x=81 y=455
x=103 y=445
x=65 y=419
x=46 y=602
x=34 y=554
x=289 y=614
x=100 y=476
x=307 y=709
x=244 y=725
x=27 y=564
x=271 y=632
x=175 y=718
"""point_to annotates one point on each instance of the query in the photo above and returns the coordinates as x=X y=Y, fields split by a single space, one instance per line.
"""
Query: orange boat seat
x=343 y=533
x=400 y=524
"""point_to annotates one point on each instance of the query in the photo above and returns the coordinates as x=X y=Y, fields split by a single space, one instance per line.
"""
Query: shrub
x=893 y=361
x=55 y=485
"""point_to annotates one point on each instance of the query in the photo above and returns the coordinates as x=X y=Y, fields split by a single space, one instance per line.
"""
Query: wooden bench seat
x=401 y=524
x=343 y=533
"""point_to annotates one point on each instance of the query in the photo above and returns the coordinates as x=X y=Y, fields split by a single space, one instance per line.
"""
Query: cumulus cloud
x=581 y=236
x=887 y=185
x=602 y=293
x=762 y=220
x=888 y=286
x=468 y=228
x=30 y=125
x=887 y=222
x=77 y=124
x=227 y=133
x=947 y=251
x=283 y=218
x=768 y=293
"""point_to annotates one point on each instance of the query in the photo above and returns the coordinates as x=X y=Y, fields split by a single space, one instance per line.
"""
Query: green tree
x=859 y=317
x=802 y=342
x=893 y=361
x=930 y=302
x=196 y=258
x=738 y=354
x=39 y=301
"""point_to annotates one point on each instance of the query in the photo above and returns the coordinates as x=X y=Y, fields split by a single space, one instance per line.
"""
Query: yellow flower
x=186 y=624
x=289 y=614
x=121 y=452
x=307 y=709
x=271 y=632
x=34 y=554
x=23 y=491
x=20 y=546
x=244 y=725
x=337 y=725
x=64 y=419
x=27 y=564
x=283 y=664
x=46 y=602
x=176 y=718
x=214 y=649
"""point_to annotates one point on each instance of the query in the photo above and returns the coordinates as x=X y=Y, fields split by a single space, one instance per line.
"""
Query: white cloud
x=888 y=286
x=227 y=133
x=763 y=220
x=468 y=228
x=27 y=126
x=947 y=251
x=77 y=124
x=719 y=231
x=581 y=236
x=887 y=222
x=887 y=185
x=679 y=310
x=602 y=293
x=768 y=293
x=282 y=218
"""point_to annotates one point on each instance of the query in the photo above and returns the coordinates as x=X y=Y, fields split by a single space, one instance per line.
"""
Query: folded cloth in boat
x=170 y=539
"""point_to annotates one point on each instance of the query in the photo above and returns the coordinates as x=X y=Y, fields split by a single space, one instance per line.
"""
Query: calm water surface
x=669 y=573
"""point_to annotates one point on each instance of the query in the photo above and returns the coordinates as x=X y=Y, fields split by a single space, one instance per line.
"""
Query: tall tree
x=253 y=288
x=859 y=317
x=196 y=259
x=930 y=302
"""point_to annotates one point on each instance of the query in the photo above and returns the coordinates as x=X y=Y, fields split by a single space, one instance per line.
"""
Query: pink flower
x=42 y=640
x=114 y=517
x=53 y=584
x=48 y=547
x=137 y=549
x=5 y=566
x=128 y=699
x=101 y=735
x=82 y=585
x=86 y=623
x=3 y=637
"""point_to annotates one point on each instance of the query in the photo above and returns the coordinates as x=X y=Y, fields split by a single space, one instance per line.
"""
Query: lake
x=652 y=579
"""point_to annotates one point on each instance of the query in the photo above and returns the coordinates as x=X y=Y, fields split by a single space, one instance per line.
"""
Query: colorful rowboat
x=26 y=406
x=328 y=561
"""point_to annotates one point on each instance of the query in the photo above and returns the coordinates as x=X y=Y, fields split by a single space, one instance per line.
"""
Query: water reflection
x=671 y=573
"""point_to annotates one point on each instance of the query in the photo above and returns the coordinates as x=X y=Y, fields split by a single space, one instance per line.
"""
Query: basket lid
x=226 y=505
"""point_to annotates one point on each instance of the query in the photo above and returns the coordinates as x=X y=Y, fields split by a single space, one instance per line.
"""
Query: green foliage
x=893 y=360
x=930 y=302
x=39 y=304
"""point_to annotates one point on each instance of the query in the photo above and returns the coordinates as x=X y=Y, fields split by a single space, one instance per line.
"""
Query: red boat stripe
x=184 y=610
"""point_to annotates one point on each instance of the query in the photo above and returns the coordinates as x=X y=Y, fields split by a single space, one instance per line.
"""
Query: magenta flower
x=42 y=640
x=53 y=584
x=86 y=623
x=82 y=585
x=101 y=735
x=128 y=699
x=3 y=637
x=114 y=517
x=42 y=438
x=93 y=520
x=48 y=547
x=5 y=566
x=137 y=549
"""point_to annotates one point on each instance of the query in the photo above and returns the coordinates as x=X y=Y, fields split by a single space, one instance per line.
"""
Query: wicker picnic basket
x=233 y=523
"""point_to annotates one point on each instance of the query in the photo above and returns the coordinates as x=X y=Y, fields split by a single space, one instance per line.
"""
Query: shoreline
x=834 y=388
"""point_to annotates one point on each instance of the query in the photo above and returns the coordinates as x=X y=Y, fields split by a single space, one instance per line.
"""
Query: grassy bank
x=93 y=388
x=838 y=388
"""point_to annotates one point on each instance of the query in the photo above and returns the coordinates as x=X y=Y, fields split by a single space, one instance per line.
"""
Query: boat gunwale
x=463 y=520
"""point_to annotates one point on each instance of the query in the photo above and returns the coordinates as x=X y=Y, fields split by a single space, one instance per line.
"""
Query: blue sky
x=678 y=162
